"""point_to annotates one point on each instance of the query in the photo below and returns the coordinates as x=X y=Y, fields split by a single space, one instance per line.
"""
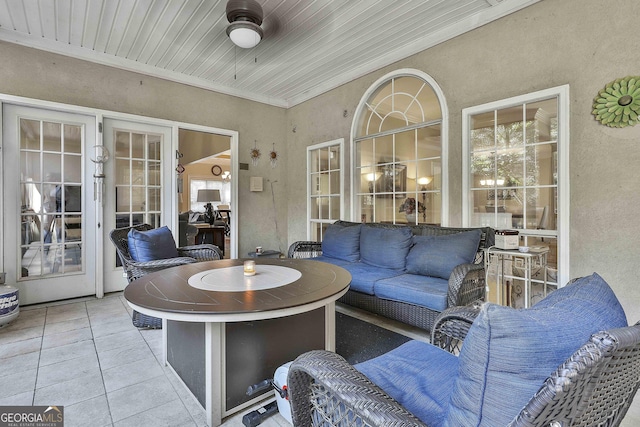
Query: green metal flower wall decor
x=618 y=104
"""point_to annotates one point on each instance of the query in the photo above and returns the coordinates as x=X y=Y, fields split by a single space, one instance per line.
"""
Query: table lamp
x=208 y=196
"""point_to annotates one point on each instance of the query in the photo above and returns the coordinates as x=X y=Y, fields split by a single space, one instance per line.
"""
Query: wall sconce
x=226 y=176
x=273 y=157
x=255 y=154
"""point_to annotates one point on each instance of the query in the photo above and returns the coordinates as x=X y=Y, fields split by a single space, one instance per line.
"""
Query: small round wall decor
x=216 y=170
x=618 y=104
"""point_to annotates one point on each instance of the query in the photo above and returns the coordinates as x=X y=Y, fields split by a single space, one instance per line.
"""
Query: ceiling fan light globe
x=244 y=34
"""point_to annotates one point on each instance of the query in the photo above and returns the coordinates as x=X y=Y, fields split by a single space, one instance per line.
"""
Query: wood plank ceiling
x=309 y=47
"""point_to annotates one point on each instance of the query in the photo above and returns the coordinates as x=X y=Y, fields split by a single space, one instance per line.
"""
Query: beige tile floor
x=86 y=355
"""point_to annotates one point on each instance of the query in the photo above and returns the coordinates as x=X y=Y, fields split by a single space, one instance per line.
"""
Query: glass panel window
x=208 y=184
x=324 y=164
x=397 y=151
x=513 y=171
x=51 y=198
x=137 y=175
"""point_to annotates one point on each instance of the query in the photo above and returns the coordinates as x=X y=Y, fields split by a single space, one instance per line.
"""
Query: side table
x=265 y=254
x=504 y=261
x=212 y=234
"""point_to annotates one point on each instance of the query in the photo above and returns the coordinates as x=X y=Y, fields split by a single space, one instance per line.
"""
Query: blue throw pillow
x=151 y=245
x=385 y=247
x=342 y=242
x=437 y=256
x=508 y=353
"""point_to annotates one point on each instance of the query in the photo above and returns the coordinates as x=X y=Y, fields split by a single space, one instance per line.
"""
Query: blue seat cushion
x=385 y=247
x=418 y=375
x=439 y=255
x=342 y=242
x=425 y=291
x=151 y=245
x=365 y=276
x=508 y=353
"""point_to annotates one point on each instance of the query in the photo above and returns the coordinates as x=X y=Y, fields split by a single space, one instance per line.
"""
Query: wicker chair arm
x=595 y=386
x=452 y=325
x=162 y=263
x=203 y=252
x=137 y=269
x=304 y=249
x=323 y=386
x=466 y=285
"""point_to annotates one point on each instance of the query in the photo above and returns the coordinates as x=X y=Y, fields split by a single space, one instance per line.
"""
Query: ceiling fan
x=245 y=18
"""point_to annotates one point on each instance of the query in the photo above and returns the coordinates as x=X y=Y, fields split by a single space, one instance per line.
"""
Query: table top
x=533 y=251
x=264 y=253
x=168 y=294
x=205 y=225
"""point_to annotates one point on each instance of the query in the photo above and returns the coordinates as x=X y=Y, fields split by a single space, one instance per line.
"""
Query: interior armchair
x=143 y=249
x=579 y=333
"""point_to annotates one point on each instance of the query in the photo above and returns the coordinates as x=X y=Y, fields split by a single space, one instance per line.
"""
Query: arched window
x=399 y=151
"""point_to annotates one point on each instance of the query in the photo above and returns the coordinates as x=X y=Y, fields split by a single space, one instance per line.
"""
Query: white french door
x=49 y=212
x=138 y=185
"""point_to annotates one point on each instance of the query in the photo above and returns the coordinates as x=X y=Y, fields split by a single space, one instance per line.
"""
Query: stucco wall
x=582 y=43
x=36 y=74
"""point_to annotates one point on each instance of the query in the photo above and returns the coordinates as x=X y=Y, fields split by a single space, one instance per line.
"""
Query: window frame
x=311 y=221
x=563 y=186
x=224 y=193
x=444 y=137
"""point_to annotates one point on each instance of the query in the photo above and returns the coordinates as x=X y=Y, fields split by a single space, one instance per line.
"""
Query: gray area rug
x=357 y=340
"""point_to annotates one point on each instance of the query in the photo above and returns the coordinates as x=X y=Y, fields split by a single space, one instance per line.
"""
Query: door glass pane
x=138 y=190
x=154 y=173
x=30 y=164
x=154 y=147
x=137 y=145
x=72 y=168
x=72 y=139
x=52 y=210
x=122 y=172
x=29 y=134
x=52 y=139
x=122 y=144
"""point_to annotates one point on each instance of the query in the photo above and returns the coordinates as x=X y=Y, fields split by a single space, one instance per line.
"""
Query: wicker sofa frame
x=135 y=269
x=466 y=284
x=595 y=386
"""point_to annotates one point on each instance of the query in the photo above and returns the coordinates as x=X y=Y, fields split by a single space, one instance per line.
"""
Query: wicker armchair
x=451 y=327
x=135 y=269
x=492 y=379
x=595 y=386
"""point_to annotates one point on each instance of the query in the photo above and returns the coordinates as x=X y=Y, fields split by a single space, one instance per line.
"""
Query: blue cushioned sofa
x=406 y=273
x=509 y=372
